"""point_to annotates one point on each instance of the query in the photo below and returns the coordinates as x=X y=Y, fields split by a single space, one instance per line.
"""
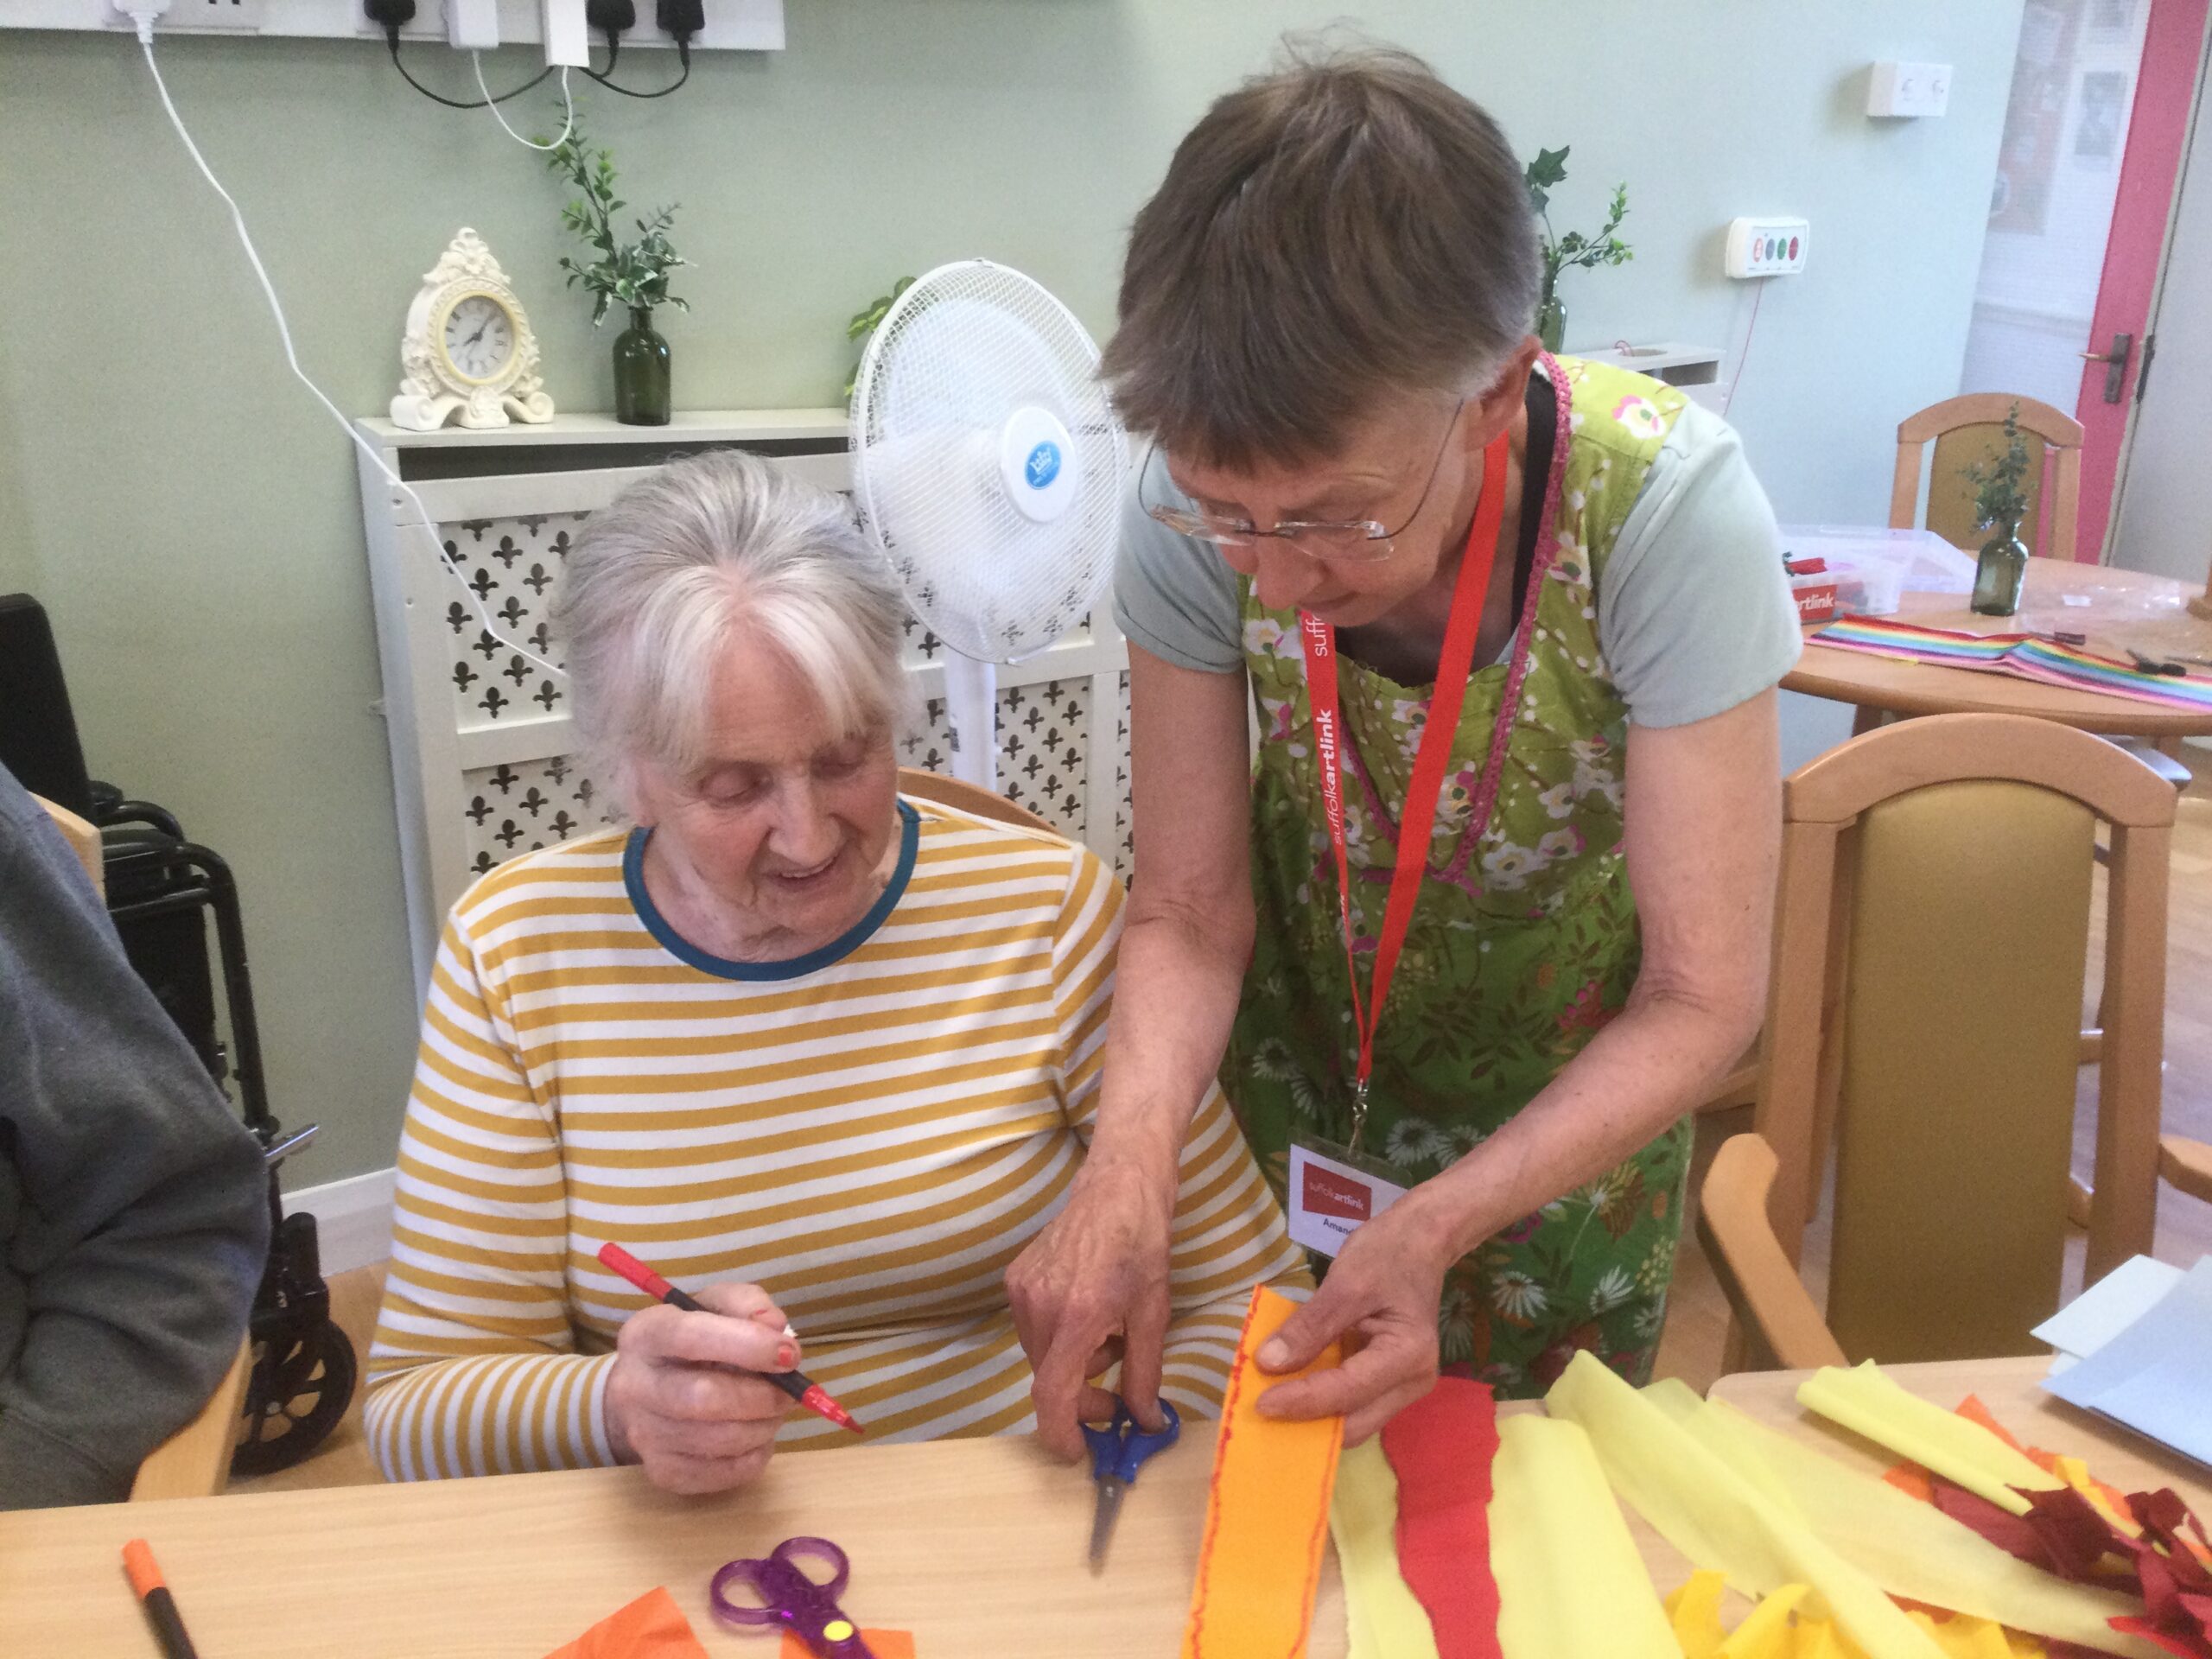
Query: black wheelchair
x=161 y=890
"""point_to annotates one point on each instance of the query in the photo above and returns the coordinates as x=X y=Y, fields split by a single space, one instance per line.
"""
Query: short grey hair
x=1342 y=230
x=660 y=578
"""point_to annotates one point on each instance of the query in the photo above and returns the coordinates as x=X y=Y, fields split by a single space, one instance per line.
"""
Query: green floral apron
x=1523 y=944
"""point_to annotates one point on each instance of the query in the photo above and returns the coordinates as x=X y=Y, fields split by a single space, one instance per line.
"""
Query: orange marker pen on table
x=809 y=1393
x=154 y=1595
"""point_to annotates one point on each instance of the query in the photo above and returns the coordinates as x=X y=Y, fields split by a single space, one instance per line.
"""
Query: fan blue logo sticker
x=1043 y=465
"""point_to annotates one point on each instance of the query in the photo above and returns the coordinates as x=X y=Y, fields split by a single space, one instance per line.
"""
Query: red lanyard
x=1418 y=823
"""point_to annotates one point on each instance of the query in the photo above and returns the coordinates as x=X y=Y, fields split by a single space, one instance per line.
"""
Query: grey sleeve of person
x=1695 y=615
x=134 y=1217
x=1174 y=595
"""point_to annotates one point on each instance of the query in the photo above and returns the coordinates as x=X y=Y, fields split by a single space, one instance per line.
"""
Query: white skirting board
x=352 y=1218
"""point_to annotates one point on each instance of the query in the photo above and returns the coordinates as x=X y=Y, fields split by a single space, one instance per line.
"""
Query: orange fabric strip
x=1266 y=1512
x=884 y=1644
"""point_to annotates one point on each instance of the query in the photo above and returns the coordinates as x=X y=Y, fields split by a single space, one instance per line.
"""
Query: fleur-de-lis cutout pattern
x=511 y=809
x=1043 y=736
x=512 y=564
x=1125 y=843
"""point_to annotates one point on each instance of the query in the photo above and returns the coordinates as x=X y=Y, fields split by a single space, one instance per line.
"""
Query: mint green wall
x=193 y=522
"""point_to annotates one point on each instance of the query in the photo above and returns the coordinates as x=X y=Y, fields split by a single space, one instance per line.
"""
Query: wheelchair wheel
x=294 y=1399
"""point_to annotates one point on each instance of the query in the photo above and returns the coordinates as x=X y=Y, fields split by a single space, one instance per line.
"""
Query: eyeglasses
x=1353 y=538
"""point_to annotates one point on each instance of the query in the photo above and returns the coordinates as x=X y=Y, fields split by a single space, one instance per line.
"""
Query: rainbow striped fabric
x=873 y=1133
x=2028 y=656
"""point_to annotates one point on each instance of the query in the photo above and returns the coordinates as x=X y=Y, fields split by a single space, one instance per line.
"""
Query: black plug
x=681 y=19
x=391 y=15
x=611 y=18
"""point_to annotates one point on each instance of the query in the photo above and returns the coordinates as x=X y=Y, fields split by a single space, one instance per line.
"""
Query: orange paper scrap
x=884 y=1644
x=652 y=1627
x=1267 y=1511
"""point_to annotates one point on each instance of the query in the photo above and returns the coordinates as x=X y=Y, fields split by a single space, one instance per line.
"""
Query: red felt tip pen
x=154 y=1595
x=809 y=1393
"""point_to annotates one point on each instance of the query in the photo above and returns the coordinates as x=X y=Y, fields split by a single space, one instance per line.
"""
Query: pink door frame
x=2165 y=92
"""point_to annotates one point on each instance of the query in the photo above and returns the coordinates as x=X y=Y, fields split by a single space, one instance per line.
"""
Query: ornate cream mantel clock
x=467 y=347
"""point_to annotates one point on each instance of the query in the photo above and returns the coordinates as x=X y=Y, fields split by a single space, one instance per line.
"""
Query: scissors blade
x=1101 y=1524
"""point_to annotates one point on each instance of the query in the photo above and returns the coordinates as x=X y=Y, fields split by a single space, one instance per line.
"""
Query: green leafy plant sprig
x=866 y=321
x=2000 y=495
x=1573 y=251
x=630 y=274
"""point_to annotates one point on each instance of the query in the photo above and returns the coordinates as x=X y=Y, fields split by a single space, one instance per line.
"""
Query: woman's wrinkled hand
x=1091 y=1287
x=678 y=1399
x=1380 y=1298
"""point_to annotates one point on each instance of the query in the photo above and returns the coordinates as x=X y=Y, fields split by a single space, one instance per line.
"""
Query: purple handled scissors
x=793 y=1599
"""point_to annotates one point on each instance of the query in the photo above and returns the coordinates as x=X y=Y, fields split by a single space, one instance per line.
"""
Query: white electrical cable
x=145 y=23
x=492 y=104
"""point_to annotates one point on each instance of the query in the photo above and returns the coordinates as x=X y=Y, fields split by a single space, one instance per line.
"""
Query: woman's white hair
x=664 y=574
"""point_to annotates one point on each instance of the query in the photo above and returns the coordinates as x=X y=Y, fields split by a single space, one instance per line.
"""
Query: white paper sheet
x=2155 y=1375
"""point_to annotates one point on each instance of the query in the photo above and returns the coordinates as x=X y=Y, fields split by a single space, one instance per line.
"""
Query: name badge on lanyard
x=1333 y=1189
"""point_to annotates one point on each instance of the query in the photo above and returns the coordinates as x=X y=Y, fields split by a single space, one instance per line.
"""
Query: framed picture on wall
x=2104 y=111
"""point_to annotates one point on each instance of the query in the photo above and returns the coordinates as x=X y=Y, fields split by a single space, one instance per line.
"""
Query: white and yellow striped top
x=872 y=1131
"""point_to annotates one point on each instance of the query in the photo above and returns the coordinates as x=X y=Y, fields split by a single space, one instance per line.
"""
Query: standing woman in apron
x=1522 y=617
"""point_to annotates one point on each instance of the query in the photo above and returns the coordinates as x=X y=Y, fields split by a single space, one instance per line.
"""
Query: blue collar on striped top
x=633 y=879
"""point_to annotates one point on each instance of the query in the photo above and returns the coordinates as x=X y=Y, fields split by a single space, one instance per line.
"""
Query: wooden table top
x=2124 y=609
x=975 y=1546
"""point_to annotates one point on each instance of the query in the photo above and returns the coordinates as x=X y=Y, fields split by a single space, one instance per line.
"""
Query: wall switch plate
x=1908 y=89
x=1766 y=247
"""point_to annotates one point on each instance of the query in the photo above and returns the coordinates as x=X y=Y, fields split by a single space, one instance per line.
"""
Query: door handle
x=2115 y=362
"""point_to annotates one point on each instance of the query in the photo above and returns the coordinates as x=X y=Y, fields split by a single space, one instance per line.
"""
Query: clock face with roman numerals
x=476 y=338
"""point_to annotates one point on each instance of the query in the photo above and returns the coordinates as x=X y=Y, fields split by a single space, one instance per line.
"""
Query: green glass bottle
x=640 y=372
x=1999 y=574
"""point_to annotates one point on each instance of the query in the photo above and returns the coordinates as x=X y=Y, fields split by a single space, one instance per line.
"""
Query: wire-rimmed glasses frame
x=1350 y=538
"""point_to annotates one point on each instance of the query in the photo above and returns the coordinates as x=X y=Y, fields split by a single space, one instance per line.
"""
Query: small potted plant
x=633 y=275
x=2000 y=501
x=1573 y=251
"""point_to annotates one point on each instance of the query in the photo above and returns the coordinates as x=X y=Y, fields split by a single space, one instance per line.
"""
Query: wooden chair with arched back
x=1931 y=931
x=969 y=797
x=1971 y=428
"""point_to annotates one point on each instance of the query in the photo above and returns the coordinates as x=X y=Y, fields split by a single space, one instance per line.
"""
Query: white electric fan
x=989 y=465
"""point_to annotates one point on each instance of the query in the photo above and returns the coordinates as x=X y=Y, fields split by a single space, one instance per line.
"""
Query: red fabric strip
x=1441 y=1448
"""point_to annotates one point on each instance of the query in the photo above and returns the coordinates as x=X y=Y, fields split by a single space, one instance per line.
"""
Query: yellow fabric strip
x=1908 y=1547
x=1716 y=1518
x=1267 y=1511
x=1570 y=1582
x=1867 y=1402
x=1384 y=1618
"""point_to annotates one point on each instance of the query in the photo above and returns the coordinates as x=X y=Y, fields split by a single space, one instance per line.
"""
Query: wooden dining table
x=977 y=1547
x=2118 y=610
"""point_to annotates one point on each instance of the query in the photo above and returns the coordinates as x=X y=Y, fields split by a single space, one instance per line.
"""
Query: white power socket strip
x=732 y=25
x=211 y=14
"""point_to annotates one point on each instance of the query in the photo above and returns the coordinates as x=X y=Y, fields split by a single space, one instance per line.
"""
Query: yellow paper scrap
x=1865 y=1400
x=1571 y=1584
x=1716 y=1518
x=1385 y=1620
x=1694 y=1611
x=1780 y=1628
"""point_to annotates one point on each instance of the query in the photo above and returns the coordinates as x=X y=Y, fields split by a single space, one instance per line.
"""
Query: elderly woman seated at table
x=819 y=1052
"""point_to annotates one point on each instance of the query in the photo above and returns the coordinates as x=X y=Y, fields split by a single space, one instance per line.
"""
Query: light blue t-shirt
x=1695 y=615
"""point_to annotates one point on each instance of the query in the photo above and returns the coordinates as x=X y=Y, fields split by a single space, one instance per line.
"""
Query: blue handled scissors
x=1116 y=1451
x=793 y=1597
